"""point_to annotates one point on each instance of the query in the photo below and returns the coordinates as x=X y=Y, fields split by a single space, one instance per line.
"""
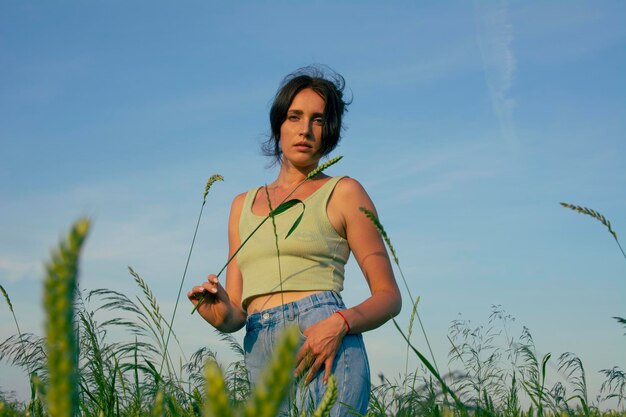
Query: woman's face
x=301 y=132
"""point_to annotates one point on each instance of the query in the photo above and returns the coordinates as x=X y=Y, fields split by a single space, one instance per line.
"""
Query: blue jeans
x=350 y=367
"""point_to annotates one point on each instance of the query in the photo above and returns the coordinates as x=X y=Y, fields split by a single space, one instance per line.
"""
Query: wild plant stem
x=180 y=288
x=434 y=371
x=374 y=219
x=19 y=332
x=207 y=187
x=280 y=274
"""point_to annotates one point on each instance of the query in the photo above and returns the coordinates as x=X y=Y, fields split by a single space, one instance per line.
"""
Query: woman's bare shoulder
x=237 y=204
x=348 y=188
x=239 y=198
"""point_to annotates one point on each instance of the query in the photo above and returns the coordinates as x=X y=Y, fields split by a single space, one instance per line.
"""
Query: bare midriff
x=263 y=302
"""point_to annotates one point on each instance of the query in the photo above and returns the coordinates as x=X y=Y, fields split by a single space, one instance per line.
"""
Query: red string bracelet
x=344 y=319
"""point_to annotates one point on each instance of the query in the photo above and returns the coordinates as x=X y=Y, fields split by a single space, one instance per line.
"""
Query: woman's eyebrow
x=301 y=113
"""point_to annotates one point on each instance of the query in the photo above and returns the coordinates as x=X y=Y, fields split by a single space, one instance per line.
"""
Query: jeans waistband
x=290 y=311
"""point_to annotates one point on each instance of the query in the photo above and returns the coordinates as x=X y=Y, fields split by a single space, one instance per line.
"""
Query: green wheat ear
x=328 y=400
x=209 y=183
x=323 y=167
x=374 y=219
x=370 y=215
x=216 y=403
x=157 y=407
x=275 y=380
x=6 y=297
x=597 y=216
x=59 y=291
x=592 y=213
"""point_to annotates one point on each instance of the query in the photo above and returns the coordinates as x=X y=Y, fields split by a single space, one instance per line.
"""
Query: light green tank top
x=312 y=258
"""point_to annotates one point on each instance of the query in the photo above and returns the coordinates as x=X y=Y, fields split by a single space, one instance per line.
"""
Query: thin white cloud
x=438 y=171
x=494 y=37
x=443 y=62
x=13 y=270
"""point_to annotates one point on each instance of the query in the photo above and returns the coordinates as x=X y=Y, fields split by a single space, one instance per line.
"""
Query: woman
x=265 y=292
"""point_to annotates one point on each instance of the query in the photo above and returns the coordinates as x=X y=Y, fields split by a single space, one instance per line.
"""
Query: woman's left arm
x=385 y=302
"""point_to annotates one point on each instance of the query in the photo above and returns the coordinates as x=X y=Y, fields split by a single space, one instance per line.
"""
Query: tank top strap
x=249 y=199
x=319 y=199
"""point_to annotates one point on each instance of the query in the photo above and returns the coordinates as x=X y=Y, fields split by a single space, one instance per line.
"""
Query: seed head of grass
x=6 y=297
x=374 y=219
x=209 y=183
x=322 y=167
x=328 y=400
x=592 y=213
x=276 y=378
x=216 y=403
x=59 y=292
x=157 y=407
x=597 y=216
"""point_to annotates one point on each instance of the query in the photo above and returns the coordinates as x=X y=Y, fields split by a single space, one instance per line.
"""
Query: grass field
x=104 y=353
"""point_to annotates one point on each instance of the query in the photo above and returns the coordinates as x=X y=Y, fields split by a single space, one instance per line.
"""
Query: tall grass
x=101 y=351
x=212 y=179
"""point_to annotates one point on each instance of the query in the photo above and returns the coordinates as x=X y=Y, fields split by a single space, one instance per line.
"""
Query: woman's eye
x=318 y=120
x=292 y=118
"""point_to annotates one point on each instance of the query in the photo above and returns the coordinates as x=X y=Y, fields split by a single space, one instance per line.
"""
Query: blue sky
x=470 y=122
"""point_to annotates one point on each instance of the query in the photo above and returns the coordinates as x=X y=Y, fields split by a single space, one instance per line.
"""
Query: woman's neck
x=290 y=176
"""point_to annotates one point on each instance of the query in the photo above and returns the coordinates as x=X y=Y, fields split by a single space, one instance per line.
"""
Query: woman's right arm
x=222 y=305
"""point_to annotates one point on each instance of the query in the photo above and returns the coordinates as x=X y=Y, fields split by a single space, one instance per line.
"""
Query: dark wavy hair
x=329 y=85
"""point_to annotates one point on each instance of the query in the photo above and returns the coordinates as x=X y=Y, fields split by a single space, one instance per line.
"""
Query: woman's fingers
x=195 y=293
x=211 y=286
x=302 y=359
x=316 y=367
x=307 y=361
x=328 y=366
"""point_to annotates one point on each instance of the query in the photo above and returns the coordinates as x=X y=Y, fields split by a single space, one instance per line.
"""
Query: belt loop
x=338 y=299
x=291 y=312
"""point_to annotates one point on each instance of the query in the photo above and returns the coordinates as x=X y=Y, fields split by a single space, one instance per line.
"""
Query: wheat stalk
x=154 y=311
x=212 y=179
x=374 y=219
x=19 y=332
x=597 y=216
x=59 y=291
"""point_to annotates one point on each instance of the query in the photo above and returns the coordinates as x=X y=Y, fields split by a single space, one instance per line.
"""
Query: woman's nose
x=307 y=128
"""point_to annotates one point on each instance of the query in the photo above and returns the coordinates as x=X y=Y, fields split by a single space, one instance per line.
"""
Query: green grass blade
x=433 y=371
x=283 y=207
x=296 y=223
